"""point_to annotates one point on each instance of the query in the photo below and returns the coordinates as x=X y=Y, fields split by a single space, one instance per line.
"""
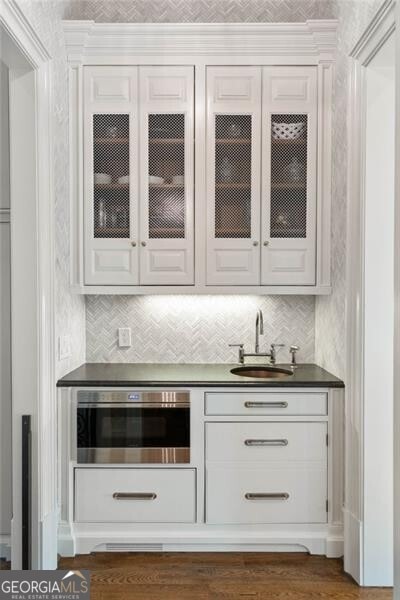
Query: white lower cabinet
x=266 y=473
x=135 y=495
x=265 y=442
x=280 y=493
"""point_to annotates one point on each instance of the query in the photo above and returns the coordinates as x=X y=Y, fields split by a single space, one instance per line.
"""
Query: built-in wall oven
x=133 y=427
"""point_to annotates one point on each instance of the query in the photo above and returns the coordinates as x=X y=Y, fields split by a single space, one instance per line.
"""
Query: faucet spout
x=259 y=329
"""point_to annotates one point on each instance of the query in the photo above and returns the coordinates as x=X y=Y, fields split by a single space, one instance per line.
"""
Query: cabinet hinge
x=327 y=439
x=327 y=506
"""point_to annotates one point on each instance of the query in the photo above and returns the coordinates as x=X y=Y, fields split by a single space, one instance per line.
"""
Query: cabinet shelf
x=170 y=141
x=111 y=232
x=111 y=141
x=111 y=186
x=166 y=186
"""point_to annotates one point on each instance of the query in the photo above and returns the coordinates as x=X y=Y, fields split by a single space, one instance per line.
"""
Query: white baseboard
x=66 y=541
x=352 y=546
x=81 y=539
x=5 y=547
x=48 y=539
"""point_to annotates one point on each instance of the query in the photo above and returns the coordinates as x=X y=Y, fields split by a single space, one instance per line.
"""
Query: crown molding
x=20 y=29
x=86 y=39
x=380 y=28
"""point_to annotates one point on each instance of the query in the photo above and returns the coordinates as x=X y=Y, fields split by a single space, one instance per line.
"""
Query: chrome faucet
x=259 y=330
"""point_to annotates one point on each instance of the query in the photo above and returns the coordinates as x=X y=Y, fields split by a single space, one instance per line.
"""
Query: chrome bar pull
x=266 y=442
x=266 y=404
x=267 y=496
x=134 y=496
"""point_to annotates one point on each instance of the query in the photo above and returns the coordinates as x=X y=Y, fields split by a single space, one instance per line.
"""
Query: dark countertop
x=189 y=375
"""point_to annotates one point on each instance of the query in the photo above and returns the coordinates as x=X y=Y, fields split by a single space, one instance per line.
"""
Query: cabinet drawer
x=267 y=403
x=146 y=495
x=277 y=494
x=266 y=441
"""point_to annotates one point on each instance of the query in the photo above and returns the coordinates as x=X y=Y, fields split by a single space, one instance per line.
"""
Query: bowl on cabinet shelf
x=102 y=178
x=155 y=180
x=287 y=131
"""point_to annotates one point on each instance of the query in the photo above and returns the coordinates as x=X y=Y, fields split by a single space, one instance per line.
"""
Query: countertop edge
x=197 y=384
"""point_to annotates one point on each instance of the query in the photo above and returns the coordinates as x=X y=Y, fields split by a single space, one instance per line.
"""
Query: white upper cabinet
x=110 y=144
x=201 y=157
x=166 y=175
x=233 y=175
x=289 y=176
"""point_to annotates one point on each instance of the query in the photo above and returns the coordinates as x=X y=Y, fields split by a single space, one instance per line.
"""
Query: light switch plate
x=64 y=347
x=124 y=337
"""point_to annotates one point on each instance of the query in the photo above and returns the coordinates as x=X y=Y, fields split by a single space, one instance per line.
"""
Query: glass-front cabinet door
x=167 y=177
x=233 y=175
x=111 y=175
x=289 y=163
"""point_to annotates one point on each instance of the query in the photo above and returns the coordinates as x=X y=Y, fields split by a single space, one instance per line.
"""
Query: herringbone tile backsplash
x=195 y=328
x=200 y=11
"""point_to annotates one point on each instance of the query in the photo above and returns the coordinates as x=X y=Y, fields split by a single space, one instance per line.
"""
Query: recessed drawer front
x=267 y=403
x=263 y=442
x=135 y=495
x=277 y=494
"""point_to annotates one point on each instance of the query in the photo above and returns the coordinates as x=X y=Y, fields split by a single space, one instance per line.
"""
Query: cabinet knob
x=266 y=243
x=255 y=243
x=133 y=244
x=143 y=243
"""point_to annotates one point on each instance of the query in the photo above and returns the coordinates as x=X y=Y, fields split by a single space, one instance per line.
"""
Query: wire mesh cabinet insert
x=167 y=179
x=110 y=175
x=289 y=163
x=233 y=175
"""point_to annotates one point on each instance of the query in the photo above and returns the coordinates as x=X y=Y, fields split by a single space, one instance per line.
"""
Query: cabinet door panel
x=110 y=175
x=233 y=175
x=289 y=175
x=166 y=253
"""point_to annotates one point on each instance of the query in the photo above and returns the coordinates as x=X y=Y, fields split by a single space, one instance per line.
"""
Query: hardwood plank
x=219 y=576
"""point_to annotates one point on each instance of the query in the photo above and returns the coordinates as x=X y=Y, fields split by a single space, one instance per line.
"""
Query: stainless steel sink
x=262 y=371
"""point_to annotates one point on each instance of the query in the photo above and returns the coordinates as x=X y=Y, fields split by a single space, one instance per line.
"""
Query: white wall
x=379 y=318
x=5 y=329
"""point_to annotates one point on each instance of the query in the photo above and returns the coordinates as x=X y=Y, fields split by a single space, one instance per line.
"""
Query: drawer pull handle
x=134 y=496
x=266 y=442
x=266 y=404
x=271 y=496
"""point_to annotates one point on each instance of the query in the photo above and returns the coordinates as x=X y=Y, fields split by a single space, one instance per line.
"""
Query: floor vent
x=121 y=547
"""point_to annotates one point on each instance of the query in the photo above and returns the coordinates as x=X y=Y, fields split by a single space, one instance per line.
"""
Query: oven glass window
x=127 y=427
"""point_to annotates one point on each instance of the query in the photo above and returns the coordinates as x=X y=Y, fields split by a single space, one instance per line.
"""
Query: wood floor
x=214 y=576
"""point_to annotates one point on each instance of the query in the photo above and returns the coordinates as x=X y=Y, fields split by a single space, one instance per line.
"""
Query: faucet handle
x=293 y=350
x=274 y=349
x=241 y=351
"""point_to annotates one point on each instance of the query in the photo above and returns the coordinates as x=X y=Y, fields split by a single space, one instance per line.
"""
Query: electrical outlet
x=64 y=347
x=124 y=337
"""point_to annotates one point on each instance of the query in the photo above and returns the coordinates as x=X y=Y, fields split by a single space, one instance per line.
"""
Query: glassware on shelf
x=112 y=131
x=295 y=170
x=226 y=170
x=102 y=214
x=234 y=130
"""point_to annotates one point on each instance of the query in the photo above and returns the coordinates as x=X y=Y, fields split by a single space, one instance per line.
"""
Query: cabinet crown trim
x=88 y=39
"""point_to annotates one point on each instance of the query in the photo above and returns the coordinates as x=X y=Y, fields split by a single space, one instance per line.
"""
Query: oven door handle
x=134 y=496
